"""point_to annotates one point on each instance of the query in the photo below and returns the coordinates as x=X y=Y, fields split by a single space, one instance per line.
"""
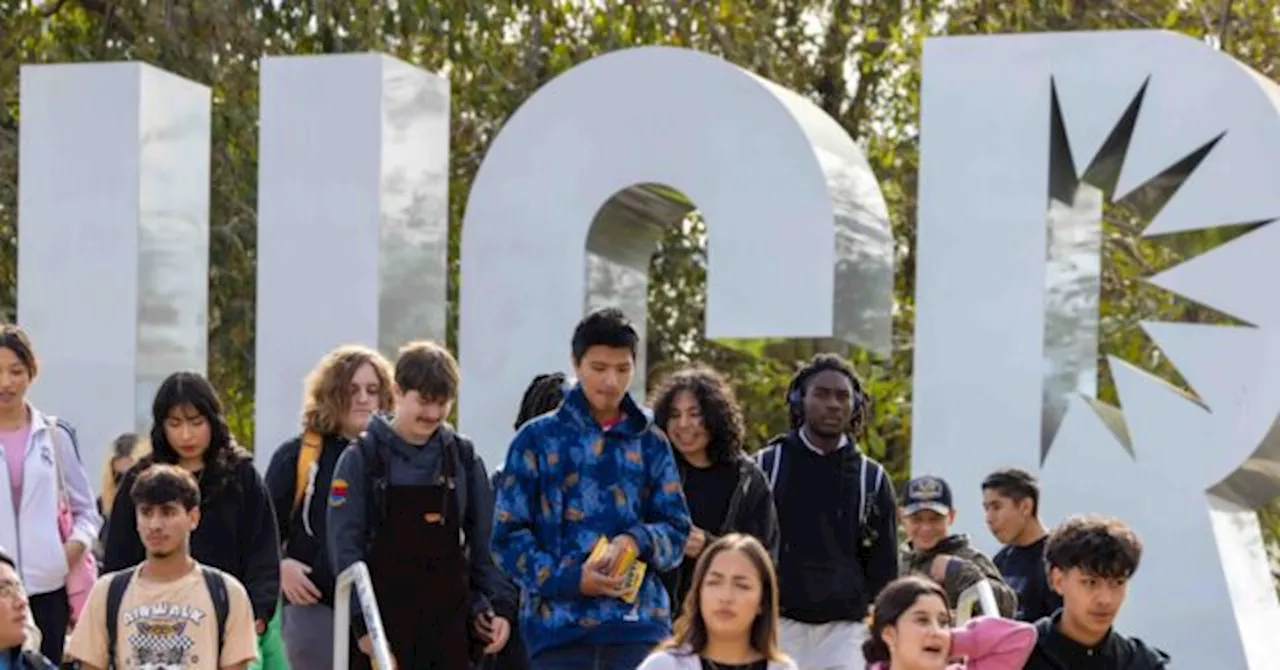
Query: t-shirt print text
x=160 y=635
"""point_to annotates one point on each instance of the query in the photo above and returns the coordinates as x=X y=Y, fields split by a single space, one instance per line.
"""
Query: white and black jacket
x=32 y=530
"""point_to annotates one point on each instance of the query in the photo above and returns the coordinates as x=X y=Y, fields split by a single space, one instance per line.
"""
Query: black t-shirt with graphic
x=1025 y=571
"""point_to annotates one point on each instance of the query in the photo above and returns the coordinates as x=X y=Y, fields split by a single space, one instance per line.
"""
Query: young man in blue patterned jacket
x=594 y=468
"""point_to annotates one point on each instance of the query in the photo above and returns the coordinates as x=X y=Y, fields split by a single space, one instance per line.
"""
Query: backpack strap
x=217 y=586
x=770 y=462
x=115 y=596
x=308 y=454
x=52 y=423
x=375 y=468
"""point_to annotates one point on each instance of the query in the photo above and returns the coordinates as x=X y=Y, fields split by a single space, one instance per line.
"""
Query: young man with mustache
x=411 y=498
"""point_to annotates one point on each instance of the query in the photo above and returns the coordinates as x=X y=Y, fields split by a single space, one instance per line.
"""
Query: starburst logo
x=1099 y=263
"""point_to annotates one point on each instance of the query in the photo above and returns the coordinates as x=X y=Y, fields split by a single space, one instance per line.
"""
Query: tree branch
x=1225 y=25
x=106 y=10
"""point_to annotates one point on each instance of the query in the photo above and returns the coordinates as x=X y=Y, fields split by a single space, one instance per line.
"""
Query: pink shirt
x=988 y=643
x=15 y=452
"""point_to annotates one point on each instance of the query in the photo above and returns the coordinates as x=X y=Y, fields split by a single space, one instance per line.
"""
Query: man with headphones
x=836 y=513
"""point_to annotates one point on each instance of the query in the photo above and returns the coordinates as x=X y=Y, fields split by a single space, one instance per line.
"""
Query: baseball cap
x=927 y=492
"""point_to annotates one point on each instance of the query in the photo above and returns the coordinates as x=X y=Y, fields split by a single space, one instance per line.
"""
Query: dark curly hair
x=721 y=414
x=222 y=457
x=543 y=394
x=823 y=363
x=1099 y=546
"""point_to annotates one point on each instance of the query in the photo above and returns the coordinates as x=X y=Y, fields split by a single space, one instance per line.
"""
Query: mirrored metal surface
x=1073 y=286
x=413 y=266
x=620 y=245
x=786 y=194
x=352 y=219
x=173 y=233
x=113 y=237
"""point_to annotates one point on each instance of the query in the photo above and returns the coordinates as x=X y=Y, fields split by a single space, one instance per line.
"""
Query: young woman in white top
x=730 y=616
x=41 y=466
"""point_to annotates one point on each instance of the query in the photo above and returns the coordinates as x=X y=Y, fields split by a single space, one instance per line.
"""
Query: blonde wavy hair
x=126 y=445
x=327 y=396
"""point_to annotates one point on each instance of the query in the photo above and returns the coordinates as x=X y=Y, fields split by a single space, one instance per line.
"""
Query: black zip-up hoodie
x=1055 y=651
x=831 y=567
x=750 y=511
x=303 y=537
x=237 y=534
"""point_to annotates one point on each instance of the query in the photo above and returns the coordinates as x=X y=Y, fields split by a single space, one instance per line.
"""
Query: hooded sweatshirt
x=568 y=482
x=1055 y=651
x=988 y=643
x=353 y=518
x=967 y=567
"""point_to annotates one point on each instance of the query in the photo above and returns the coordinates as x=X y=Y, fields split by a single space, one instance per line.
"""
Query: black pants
x=52 y=612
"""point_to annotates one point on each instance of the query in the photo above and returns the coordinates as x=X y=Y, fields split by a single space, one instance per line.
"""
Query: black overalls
x=419 y=570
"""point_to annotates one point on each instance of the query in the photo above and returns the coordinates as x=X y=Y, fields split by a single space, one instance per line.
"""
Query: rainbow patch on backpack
x=337 y=492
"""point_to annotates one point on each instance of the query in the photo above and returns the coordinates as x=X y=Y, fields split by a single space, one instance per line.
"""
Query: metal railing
x=980 y=594
x=357 y=575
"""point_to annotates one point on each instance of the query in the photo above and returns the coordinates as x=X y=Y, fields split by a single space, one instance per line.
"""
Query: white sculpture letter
x=113 y=235
x=799 y=236
x=353 y=219
x=1007 y=309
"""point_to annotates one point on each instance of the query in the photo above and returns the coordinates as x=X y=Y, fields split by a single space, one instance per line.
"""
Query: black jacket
x=831 y=565
x=1055 y=651
x=751 y=511
x=237 y=534
x=303 y=538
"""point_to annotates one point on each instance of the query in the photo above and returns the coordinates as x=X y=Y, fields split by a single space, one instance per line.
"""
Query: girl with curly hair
x=237 y=531
x=726 y=491
x=345 y=389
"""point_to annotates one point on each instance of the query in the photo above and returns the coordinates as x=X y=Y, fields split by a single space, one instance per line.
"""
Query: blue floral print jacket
x=566 y=483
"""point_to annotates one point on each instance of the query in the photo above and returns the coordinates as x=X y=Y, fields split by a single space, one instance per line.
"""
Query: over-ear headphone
x=795 y=393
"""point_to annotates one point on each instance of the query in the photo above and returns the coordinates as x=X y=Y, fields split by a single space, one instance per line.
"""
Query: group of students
x=606 y=523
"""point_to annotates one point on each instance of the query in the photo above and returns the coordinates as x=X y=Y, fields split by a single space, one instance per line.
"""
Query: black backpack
x=214 y=580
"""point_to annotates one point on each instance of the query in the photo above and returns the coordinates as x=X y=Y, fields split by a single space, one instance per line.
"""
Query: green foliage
x=857 y=59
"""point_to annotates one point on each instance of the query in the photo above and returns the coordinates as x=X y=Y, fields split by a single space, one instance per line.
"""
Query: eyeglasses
x=11 y=590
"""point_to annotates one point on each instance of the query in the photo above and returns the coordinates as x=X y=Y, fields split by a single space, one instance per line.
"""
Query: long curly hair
x=223 y=455
x=327 y=397
x=721 y=415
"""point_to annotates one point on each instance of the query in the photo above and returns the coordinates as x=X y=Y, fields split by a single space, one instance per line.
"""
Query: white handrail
x=980 y=594
x=357 y=575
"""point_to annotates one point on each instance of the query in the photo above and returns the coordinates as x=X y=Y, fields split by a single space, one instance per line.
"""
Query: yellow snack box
x=631 y=570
